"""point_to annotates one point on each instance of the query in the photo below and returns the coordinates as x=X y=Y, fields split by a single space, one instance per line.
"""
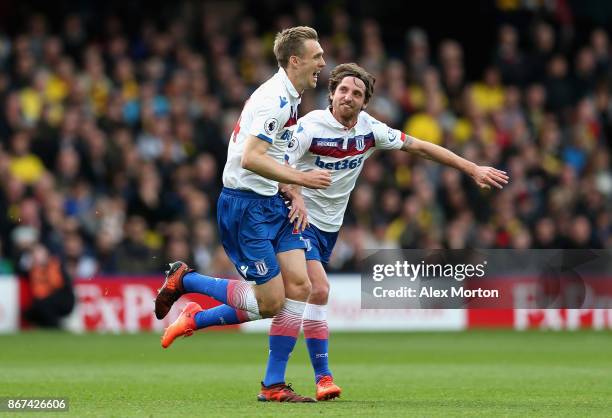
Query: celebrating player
x=253 y=220
x=340 y=139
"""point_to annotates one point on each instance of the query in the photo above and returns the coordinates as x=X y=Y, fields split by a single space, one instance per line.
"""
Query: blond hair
x=290 y=42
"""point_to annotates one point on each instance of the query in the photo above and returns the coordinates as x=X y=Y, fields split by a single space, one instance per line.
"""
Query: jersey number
x=236 y=130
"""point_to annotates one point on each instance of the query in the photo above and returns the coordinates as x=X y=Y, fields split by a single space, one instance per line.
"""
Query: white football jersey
x=269 y=114
x=320 y=141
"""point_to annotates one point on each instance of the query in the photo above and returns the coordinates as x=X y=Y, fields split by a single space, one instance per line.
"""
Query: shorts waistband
x=247 y=194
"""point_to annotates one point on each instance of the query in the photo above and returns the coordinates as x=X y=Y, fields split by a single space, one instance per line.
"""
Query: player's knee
x=270 y=308
x=319 y=293
x=299 y=290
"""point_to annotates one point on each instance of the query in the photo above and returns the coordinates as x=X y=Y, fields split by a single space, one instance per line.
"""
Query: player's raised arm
x=256 y=159
x=484 y=177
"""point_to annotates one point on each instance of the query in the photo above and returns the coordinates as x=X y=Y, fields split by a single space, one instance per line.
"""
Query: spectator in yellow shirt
x=24 y=165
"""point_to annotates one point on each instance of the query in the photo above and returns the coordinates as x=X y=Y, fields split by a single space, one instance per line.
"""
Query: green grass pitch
x=484 y=373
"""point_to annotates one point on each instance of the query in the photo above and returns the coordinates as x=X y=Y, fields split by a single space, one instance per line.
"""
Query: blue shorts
x=319 y=244
x=253 y=229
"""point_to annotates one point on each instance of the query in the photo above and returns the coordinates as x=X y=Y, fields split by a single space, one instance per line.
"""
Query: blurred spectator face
x=410 y=209
x=68 y=163
x=433 y=104
x=456 y=235
x=485 y=236
x=599 y=41
x=73 y=246
x=513 y=97
x=492 y=77
x=451 y=53
x=204 y=233
x=431 y=79
x=425 y=193
x=53 y=50
x=40 y=255
x=177 y=230
x=451 y=179
x=544 y=37
x=162 y=44
x=303 y=12
x=29 y=212
x=580 y=231
x=73 y=28
x=38 y=25
x=568 y=176
x=508 y=38
x=585 y=110
x=340 y=21
x=521 y=240
x=206 y=168
x=20 y=144
x=391 y=201
x=418 y=45
x=457 y=199
x=154 y=69
x=545 y=231
x=71 y=122
x=373 y=171
x=105 y=243
x=65 y=69
x=453 y=75
x=124 y=70
x=536 y=96
x=362 y=198
x=551 y=136
x=135 y=229
x=44 y=187
x=14 y=189
x=197 y=205
x=178 y=249
x=118 y=46
x=161 y=127
x=184 y=130
x=557 y=67
x=585 y=61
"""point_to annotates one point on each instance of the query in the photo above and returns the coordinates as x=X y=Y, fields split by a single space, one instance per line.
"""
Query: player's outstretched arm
x=484 y=177
x=256 y=159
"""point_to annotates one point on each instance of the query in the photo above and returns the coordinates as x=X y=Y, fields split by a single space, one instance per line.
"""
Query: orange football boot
x=184 y=325
x=327 y=389
x=172 y=288
x=280 y=392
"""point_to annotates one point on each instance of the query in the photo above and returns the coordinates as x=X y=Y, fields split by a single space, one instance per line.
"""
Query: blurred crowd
x=112 y=143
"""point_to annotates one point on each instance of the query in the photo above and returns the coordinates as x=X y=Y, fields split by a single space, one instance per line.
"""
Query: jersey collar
x=288 y=84
x=334 y=122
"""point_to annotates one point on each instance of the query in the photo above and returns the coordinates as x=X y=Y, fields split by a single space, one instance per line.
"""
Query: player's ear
x=294 y=59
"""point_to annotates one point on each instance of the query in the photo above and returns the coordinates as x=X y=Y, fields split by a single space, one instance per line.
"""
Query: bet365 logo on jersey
x=339 y=165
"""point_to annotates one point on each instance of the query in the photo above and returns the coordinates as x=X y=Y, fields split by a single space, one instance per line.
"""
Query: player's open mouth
x=316 y=75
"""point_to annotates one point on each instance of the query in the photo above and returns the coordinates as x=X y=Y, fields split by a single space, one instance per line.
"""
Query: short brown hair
x=351 y=70
x=290 y=42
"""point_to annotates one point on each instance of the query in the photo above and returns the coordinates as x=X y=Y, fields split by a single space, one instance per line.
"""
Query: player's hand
x=316 y=179
x=485 y=177
x=298 y=214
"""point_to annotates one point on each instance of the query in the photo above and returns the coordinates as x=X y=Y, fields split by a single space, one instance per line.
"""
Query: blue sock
x=219 y=315
x=318 y=350
x=198 y=283
x=280 y=348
